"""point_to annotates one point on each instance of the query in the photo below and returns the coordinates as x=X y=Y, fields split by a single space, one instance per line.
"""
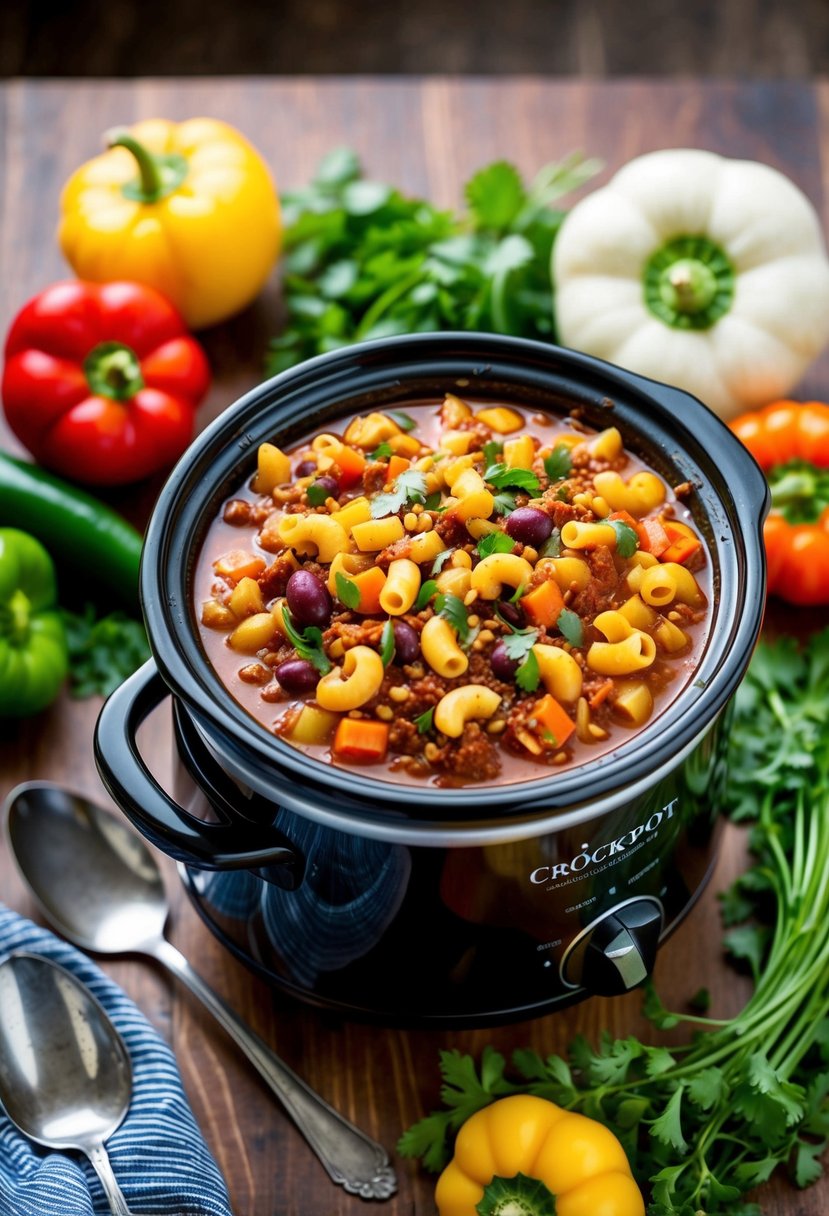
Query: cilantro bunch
x=363 y=261
x=707 y=1121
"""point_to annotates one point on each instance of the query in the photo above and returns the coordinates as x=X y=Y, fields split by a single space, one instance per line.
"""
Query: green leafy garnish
x=432 y=501
x=427 y=590
x=308 y=643
x=528 y=675
x=347 y=591
x=495 y=542
x=317 y=494
x=363 y=261
x=103 y=651
x=552 y=545
x=627 y=539
x=559 y=463
x=492 y=450
x=571 y=627
x=501 y=476
x=707 y=1118
x=517 y=593
x=424 y=722
x=404 y=421
x=387 y=643
x=410 y=486
x=381 y=452
x=441 y=560
x=519 y=643
x=452 y=608
x=504 y=502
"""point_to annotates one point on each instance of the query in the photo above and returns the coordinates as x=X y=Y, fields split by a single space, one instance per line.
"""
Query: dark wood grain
x=427 y=136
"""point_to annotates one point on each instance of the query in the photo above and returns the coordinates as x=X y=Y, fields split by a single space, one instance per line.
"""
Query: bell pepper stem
x=18 y=609
x=113 y=370
x=159 y=174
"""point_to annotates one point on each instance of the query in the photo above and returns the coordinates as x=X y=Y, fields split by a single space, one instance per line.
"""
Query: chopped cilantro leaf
x=552 y=545
x=528 y=675
x=432 y=501
x=317 y=494
x=492 y=451
x=307 y=644
x=441 y=560
x=424 y=722
x=571 y=628
x=559 y=463
x=387 y=643
x=452 y=608
x=504 y=503
x=519 y=643
x=495 y=542
x=627 y=539
x=347 y=591
x=501 y=476
x=381 y=452
x=408 y=487
x=404 y=421
x=427 y=590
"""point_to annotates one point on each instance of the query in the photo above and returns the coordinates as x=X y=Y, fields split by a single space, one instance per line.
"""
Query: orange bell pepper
x=370 y=584
x=397 y=465
x=790 y=442
x=553 y=719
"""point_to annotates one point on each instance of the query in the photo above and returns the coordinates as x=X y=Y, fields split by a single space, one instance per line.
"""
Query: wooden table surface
x=427 y=136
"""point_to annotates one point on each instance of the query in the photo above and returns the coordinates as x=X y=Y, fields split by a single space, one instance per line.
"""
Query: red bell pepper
x=101 y=381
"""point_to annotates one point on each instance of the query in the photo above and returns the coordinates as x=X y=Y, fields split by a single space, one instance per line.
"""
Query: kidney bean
x=502 y=665
x=308 y=599
x=297 y=676
x=305 y=468
x=406 y=643
x=530 y=525
x=511 y=613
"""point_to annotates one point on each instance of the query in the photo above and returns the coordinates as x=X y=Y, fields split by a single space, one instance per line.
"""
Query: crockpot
x=414 y=904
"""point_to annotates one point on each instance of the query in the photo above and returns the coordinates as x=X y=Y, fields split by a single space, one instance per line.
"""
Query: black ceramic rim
x=672 y=431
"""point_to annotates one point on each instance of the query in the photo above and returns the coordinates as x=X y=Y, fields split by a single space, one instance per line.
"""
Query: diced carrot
x=601 y=694
x=657 y=537
x=552 y=720
x=684 y=542
x=351 y=464
x=361 y=739
x=397 y=465
x=238 y=564
x=627 y=518
x=543 y=605
x=370 y=583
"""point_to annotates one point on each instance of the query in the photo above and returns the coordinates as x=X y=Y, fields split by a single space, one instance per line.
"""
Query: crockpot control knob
x=616 y=952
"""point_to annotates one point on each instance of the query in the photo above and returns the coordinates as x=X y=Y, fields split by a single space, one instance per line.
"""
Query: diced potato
x=217 y=616
x=500 y=419
x=313 y=725
x=404 y=445
x=253 y=633
x=519 y=453
x=633 y=702
x=246 y=598
x=454 y=411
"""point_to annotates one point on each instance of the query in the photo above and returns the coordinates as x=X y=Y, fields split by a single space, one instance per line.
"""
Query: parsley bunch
x=707 y=1121
x=363 y=261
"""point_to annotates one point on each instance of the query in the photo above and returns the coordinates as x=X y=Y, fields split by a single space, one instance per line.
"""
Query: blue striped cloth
x=158 y=1155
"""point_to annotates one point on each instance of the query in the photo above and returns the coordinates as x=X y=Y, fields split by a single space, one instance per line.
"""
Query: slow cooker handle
x=212 y=846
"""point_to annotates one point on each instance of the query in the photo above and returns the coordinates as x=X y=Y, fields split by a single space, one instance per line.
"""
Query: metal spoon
x=98 y=884
x=65 y=1075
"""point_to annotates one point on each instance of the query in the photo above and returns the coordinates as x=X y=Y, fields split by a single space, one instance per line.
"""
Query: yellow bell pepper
x=579 y=1161
x=189 y=208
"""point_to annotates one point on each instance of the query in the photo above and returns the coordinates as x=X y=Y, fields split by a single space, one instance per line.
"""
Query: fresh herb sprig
x=307 y=644
x=408 y=487
x=103 y=651
x=363 y=261
x=708 y=1120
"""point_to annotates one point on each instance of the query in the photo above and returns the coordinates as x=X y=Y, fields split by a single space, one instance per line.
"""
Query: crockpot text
x=583 y=861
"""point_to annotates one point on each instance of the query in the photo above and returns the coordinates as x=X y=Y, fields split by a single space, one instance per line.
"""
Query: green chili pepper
x=33 y=651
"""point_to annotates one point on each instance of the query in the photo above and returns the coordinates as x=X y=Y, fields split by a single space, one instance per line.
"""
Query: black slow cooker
x=416 y=905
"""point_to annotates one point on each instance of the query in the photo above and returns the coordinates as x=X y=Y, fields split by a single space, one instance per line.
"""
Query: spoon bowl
x=100 y=886
x=65 y=1074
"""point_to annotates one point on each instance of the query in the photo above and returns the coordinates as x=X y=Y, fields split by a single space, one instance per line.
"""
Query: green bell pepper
x=33 y=652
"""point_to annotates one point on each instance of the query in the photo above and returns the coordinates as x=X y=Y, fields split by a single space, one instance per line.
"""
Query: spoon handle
x=352 y=1159
x=97 y=1154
